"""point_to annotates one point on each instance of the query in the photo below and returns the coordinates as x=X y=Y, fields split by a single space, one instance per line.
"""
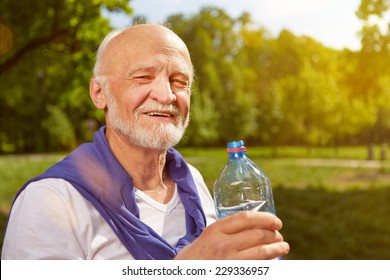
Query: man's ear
x=97 y=95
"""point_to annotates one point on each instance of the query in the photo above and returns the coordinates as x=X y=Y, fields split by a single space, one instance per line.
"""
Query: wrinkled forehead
x=140 y=43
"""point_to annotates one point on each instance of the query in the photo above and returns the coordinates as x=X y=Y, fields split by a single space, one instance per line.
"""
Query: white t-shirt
x=52 y=220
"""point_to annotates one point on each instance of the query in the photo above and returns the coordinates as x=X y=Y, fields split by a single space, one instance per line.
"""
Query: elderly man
x=129 y=194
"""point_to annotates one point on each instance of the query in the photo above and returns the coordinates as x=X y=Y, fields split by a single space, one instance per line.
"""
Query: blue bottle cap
x=235 y=144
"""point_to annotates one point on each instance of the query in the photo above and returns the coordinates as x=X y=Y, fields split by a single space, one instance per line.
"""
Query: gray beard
x=159 y=136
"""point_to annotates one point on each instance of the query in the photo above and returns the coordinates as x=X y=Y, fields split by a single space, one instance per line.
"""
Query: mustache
x=156 y=106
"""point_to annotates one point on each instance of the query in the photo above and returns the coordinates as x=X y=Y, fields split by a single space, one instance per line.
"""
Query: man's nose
x=162 y=91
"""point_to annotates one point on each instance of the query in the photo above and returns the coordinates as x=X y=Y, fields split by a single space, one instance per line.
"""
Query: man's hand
x=245 y=235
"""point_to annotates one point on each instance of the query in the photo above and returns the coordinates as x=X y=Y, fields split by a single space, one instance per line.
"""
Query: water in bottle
x=242 y=185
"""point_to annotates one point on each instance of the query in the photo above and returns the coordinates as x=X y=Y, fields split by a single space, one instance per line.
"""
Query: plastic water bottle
x=242 y=185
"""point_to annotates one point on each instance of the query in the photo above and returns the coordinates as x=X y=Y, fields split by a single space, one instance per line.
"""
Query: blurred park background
x=315 y=118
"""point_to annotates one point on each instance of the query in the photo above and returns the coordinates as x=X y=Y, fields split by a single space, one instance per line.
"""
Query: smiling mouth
x=160 y=114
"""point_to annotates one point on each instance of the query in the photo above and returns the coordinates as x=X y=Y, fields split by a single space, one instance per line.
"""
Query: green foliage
x=50 y=63
x=60 y=129
x=284 y=90
x=372 y=7
x=202 y=112
x=321 y=108
x=214 y=54
x=268 y=90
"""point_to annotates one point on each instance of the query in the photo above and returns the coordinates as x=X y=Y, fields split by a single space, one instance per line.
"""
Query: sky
x=331 y=22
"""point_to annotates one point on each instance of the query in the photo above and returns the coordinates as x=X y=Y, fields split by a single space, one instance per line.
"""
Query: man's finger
x=265 y=252
x=246 y=220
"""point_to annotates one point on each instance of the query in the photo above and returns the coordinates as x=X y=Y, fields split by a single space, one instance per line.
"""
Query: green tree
x=370 y=78
x=50 y=64
x=322 y=112
x=292 y=72
x=276 y=91
x=61 y=131
x=214 y=47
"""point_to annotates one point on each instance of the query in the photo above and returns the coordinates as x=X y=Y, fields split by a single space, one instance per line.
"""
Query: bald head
x=116 y=50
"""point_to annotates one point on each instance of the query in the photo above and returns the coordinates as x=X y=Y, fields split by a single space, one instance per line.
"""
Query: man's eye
x=143 y=77
x=179 y=83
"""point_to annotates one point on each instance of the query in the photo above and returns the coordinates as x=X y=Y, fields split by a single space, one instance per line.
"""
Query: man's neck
x=145 y=166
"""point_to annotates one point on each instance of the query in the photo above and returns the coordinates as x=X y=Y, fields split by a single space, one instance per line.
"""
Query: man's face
x=148 y=90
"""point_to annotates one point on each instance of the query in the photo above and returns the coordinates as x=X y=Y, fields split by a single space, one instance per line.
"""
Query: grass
x=333 y=205
x=15 y=170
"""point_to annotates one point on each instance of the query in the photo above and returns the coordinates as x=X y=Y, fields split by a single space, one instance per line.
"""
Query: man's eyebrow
x=136 y=69
x=184 y=71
